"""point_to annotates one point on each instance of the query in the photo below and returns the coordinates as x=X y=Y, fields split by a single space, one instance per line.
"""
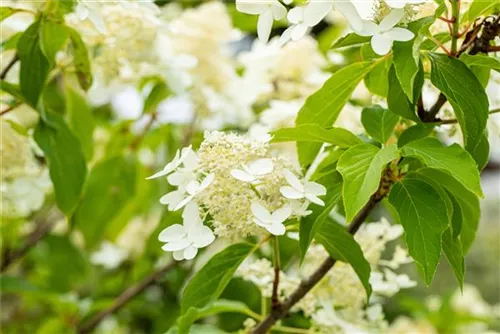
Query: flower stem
x=275 y=303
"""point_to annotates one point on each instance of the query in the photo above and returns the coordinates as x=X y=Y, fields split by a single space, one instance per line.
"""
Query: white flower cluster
x=304 y=17
x=234 y=181
x=337 y=303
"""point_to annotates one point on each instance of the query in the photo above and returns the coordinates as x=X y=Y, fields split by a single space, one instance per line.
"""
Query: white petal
x=296 y=15
x=190 y=253
x=206 y=182
x=391 y=19
x=98 y=22
x=201 y=236
x=183 y=203
x=381 y=44
x=177 y=245
x=159 y=174
x=299 y=31
x=191 y=215
x=316 y=11
x=315 y=200
x=172 y=233
x=396 y=3
x=279 y=11
x=286 y=36
x=282 y=214
x=261 y=223
x=293 y=180
x=81 y=11
x=400 y=34
x=276 y=229
x=261 y=166
x=242 y=175
x=178 y=255
x=193 y=187
x=172 y=199
x=264 y=25
x=190 y=160
x=369 y=29
x=176 y=178
x=351 y=14
x=260 y=212
x=314 y=189
x=291 y=193
x=250 y=7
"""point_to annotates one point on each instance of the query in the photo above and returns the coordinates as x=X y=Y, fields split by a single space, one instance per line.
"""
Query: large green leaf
x=324 y=106
x=415 y=132
x=406 y=56
x=211 y=280
x=350 y=40
x=219 y=306
x=53 y=36
x=481 y=60
x=34 y=66
x=65 y=158
x=468 y=201
x=342 y=247
x=379 y=123
x=315 y=133
x=5 y=12
x=453 y=160
x=110 y=186
x=397 y=101
x=480 y=7
x=310 y=223
x=80 y=119
x=361 y=167
x=452 y=248
x=424 y=216
x=466 y=95
x=376 y=80
x=81 y=59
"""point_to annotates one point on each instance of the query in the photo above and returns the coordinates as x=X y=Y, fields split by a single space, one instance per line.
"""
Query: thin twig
x=306 y=285
x=9 y=108
x=135 y=143
x=275 y=303
x=454 y=121
x=124 y=298
x=6 y=70
x=10 y=256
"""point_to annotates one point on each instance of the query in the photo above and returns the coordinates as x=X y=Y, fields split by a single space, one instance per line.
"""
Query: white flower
x=194 y=188
x=253 y=170
x=268 y=11
x=273 y=222
x=185 y=240
x=298 y=190
x=402 y=3
x=83 y=12
x=305 y=17
x=187 y=152
x=127 y=104
x=386 y=33
x=109 y=255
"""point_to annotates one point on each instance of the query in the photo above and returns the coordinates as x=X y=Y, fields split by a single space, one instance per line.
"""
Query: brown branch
x=275 y=303
x=124 y=298
x=494 y=48
x=10 y=256
x=454 y=121
x=306 y=285
x=6 y=70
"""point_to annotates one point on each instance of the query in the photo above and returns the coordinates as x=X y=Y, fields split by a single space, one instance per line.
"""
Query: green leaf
x=341 y=246
x=11 y=42
x=211 y=280
x=482 y=152
x=468 y=201
x=317 y=134
x=12 y=89
x=361 y=167
x=453 y=160
x=376 y=80
x=218 y=306
x=423 y=214
x=415 y=132
x=309 y=224
x=407 y=55
x=53 y=36
x=158 y=93
x=65 y=158
x=80 y=119
x=349 y=40
x=6 y=12
x=34 y=66
x=81 y=59
x=480 y=7
x=379 y=123
x=452 y=248
x=110 y=186
x=199 y=329
x=481 y=60
x=465 y=94
x=397 y=101
x=324 y=106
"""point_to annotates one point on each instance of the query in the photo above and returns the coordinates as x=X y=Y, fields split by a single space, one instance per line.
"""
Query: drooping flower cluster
x=239 y=185
x=304 y=17
x=337 y=303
